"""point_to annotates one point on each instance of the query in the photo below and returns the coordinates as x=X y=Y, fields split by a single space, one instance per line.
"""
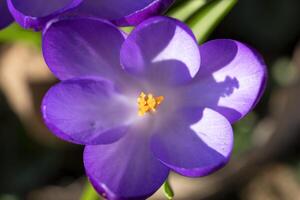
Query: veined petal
x=5 y=16
x=87 y=111
x=124 y=12
x=161 y=50
x=195 y=142
x=36 y=13
x=75 y=47
x=125 y=169
x=231 y=79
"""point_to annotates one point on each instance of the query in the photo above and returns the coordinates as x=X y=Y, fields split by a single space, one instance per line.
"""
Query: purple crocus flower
x=5 y=18
x=149 y=102
x=36 y=13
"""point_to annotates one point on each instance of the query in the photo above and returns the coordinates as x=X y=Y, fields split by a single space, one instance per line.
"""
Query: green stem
x=168 y=191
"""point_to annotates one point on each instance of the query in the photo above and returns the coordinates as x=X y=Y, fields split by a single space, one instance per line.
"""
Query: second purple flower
x=36 y=13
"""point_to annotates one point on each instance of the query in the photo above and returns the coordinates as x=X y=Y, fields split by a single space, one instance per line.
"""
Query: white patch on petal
x=170 y=52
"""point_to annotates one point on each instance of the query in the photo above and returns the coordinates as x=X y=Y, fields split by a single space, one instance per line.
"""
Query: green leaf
x=205 y=20
x=127 y=29
x=168 y=191
x=243 y=132
x=89 y=193
x=14 y=33
x=185 y=9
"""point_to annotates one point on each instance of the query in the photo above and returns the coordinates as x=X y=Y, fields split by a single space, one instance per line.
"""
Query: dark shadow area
x=25 y=164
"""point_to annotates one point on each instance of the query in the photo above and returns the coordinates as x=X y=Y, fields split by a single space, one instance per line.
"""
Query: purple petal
x=86 y=111
x=195 y=142
x=124 y=12
x=36 y=13
x=5 y=16
x=83 y=46
x=161 y=50
x=125 y=169
x=231 y=79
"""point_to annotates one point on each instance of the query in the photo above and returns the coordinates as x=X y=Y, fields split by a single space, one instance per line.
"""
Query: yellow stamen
x=148 y=103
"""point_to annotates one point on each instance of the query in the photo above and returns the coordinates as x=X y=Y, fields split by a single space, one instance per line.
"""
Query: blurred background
x=265 y=164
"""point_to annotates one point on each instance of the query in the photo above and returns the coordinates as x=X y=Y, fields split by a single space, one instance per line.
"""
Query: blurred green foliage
x=89 y=193
x=285 y=72
x=202 y=16
x=242 y=133
x=168 y=191
x=297 y=169
x=14 y=33
x=206 y=19
x=8 y=197
x=185 y=9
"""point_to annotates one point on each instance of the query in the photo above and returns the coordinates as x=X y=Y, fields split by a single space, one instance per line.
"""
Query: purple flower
x=147 y=103
x=36 y=13
x=5 y=18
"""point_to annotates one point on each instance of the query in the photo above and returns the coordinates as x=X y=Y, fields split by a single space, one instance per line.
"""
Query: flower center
x=148 y=103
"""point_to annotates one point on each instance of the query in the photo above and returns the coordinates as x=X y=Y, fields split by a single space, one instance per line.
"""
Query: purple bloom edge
x=6 y=18
x=155 y=8
x=104 y=191
x=264 y=79
x=52 y=127
x=53 y=22
x=37 y=23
